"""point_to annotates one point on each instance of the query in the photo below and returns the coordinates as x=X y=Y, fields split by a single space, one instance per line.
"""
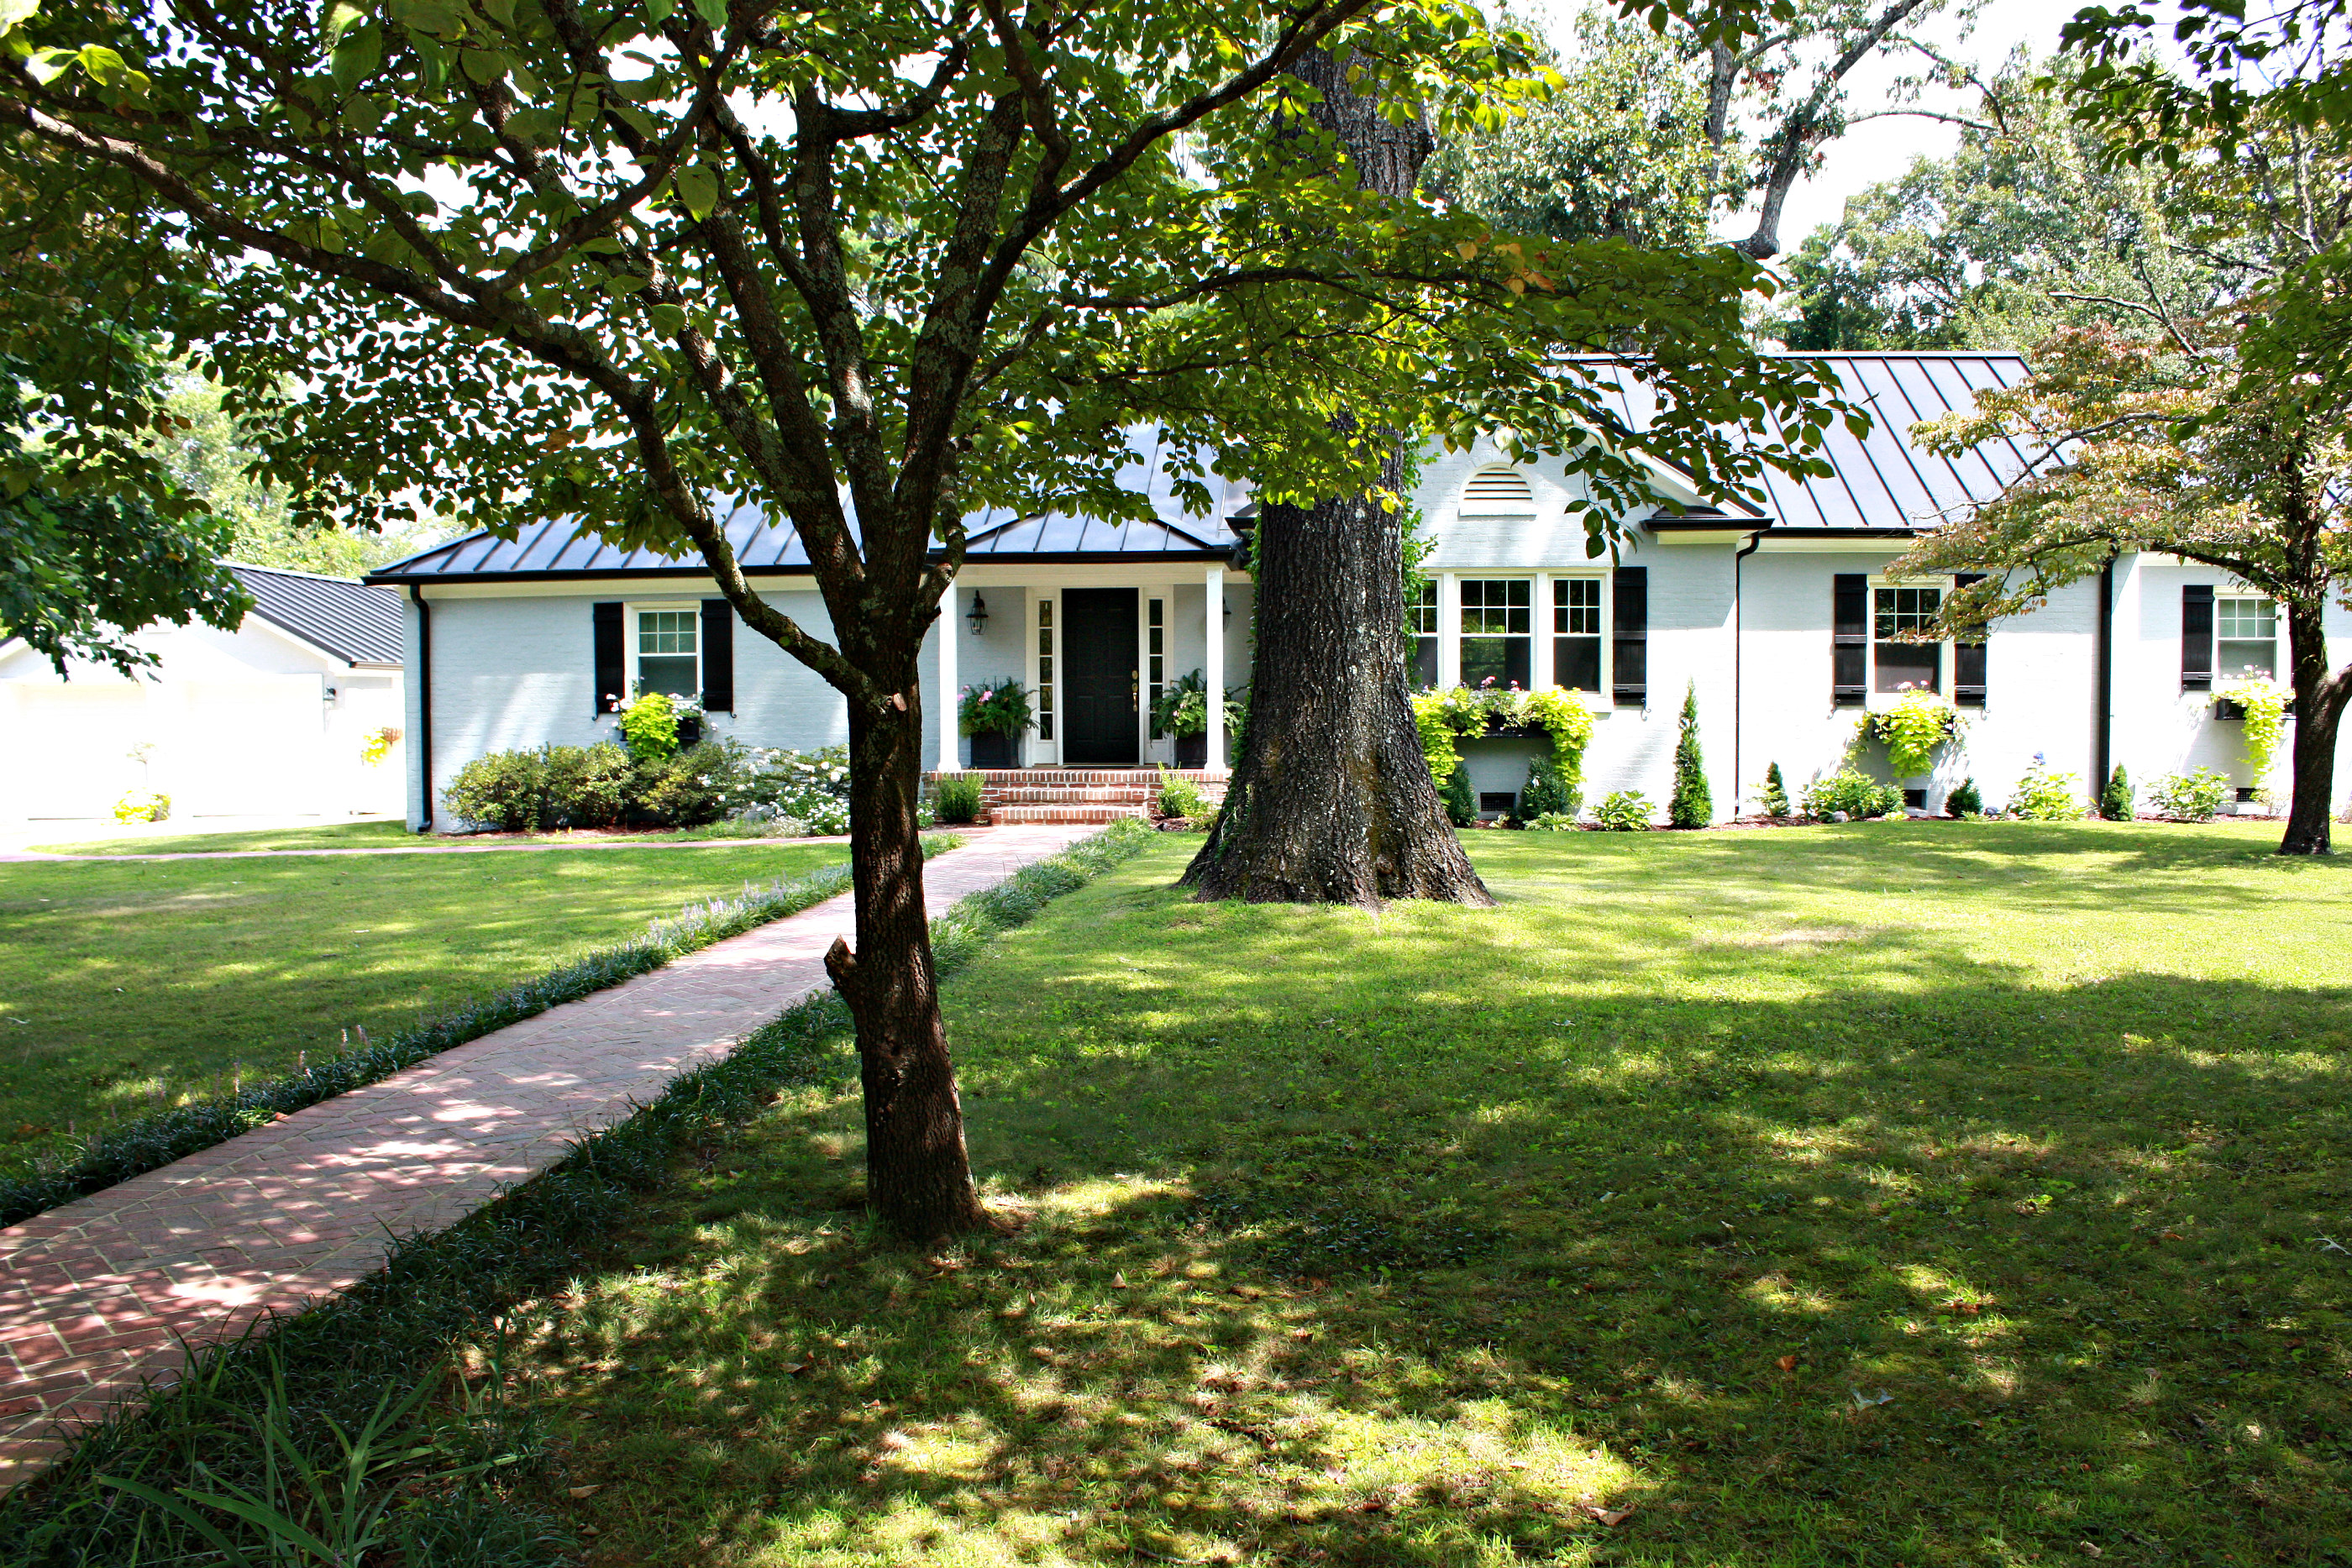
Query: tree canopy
x=878 y=269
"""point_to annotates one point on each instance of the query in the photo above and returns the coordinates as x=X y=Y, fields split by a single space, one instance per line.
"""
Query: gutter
x=1739 y=641
x=2103 y=730
x=423 y=707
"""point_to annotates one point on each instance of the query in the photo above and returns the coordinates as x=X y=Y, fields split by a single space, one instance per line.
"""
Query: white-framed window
x=1894 y=609
x=665 y=645
x=1497 y=637
x=1421 y=621
x=2245 y=638
x=1156 y=656
x=1578 y=640
x=1045 y=669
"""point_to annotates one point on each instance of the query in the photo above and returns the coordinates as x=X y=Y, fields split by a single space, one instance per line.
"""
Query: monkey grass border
x=154 y=1141
x=340 y=1356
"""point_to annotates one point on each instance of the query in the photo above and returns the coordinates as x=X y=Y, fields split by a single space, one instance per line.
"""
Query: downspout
x=1738 y=637
x=423 y=707
x=2103 y=733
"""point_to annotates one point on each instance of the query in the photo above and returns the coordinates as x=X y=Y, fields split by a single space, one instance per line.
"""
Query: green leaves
x=698 y=190
x=357 y=56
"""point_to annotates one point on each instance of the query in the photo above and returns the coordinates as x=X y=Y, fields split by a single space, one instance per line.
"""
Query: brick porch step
x=1072 y=794
x=1078 y=796
x=1030 y=816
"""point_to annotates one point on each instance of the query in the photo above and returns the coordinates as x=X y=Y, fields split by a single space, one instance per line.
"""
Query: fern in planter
x=1693 y=805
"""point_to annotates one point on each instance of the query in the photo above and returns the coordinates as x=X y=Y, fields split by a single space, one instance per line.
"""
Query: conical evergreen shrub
x=2116 y=799
x=1693 y=805
x=1776 y=792
x=1461 y=800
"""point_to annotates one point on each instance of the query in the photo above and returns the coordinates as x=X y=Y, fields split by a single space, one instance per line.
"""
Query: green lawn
x=367 y=836
x=1894 y=1194
x=123 y=985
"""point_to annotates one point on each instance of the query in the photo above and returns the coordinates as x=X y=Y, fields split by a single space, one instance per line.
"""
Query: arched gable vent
x=1499 y=493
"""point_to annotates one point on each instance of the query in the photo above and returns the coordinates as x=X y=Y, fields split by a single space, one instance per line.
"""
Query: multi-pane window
x=1044 y=669
x=1421 y=621
x=1896 y=611
x=668 y=657
x=1575 y=632
x=2245 y=638
x=1156 y=655
x=1497 y=632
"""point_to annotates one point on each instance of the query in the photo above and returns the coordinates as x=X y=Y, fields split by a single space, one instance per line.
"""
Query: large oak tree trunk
x=2319 y=714
x=917 y=1173
x=1331 y=800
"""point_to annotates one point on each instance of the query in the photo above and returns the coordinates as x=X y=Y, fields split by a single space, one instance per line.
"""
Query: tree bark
x=918 y=1171
x=1331 y=800
x=2318 y=714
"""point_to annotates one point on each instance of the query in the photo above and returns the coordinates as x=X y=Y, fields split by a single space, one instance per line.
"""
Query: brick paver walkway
x=96 y=1295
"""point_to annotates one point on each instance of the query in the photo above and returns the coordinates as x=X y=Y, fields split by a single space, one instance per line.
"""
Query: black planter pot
x=689 y=730
x=994 y=748
x=1192 y=750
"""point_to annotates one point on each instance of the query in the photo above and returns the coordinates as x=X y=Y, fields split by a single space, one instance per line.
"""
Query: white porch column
x=1212 y=670
x=1539 y=670
x=949 y=759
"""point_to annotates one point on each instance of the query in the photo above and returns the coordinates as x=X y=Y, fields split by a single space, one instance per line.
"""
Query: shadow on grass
x=1686 y=1209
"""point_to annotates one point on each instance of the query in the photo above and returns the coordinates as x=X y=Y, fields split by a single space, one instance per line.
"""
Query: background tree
x=2029 y=226
x=1618 y=150
x=210 y=459
x=526 y=260
x=2178 y=449
x=1777 y=94
x=96 y=539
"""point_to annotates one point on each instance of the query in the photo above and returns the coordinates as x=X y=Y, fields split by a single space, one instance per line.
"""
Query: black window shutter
x=717 y=657
x=1850 y=638
x=1629 y=634
x=2197 y=637
x=1968 y=658
x=612 y=666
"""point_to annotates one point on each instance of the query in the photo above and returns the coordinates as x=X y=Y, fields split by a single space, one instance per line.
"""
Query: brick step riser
x=1069 y=797
x=1012 y=816
x=1147 y=777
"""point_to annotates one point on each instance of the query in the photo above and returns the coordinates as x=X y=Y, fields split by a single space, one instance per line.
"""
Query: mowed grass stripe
x=128 y=985
x=1936 y=1194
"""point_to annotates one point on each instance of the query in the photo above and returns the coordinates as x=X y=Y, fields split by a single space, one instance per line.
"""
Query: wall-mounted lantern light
x=978 y=614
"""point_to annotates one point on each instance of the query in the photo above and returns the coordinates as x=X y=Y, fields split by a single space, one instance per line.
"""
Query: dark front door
x=1098 y=677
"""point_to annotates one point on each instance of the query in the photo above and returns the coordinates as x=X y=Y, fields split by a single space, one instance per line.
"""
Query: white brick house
x=1773 y=614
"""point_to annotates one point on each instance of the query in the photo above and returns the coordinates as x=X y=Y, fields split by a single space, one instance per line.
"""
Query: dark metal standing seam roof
x=355 y=622
x=1885 y=481
x=1880 y=484
x=555 y=550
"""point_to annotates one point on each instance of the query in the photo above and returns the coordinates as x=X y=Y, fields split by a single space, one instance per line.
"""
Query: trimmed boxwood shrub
x=959 y=797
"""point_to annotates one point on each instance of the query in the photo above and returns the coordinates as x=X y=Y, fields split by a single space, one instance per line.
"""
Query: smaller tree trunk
x=2318 y=714
x=918 y=1171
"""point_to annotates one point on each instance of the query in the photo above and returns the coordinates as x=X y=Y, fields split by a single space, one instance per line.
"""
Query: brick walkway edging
x=97 y=1296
